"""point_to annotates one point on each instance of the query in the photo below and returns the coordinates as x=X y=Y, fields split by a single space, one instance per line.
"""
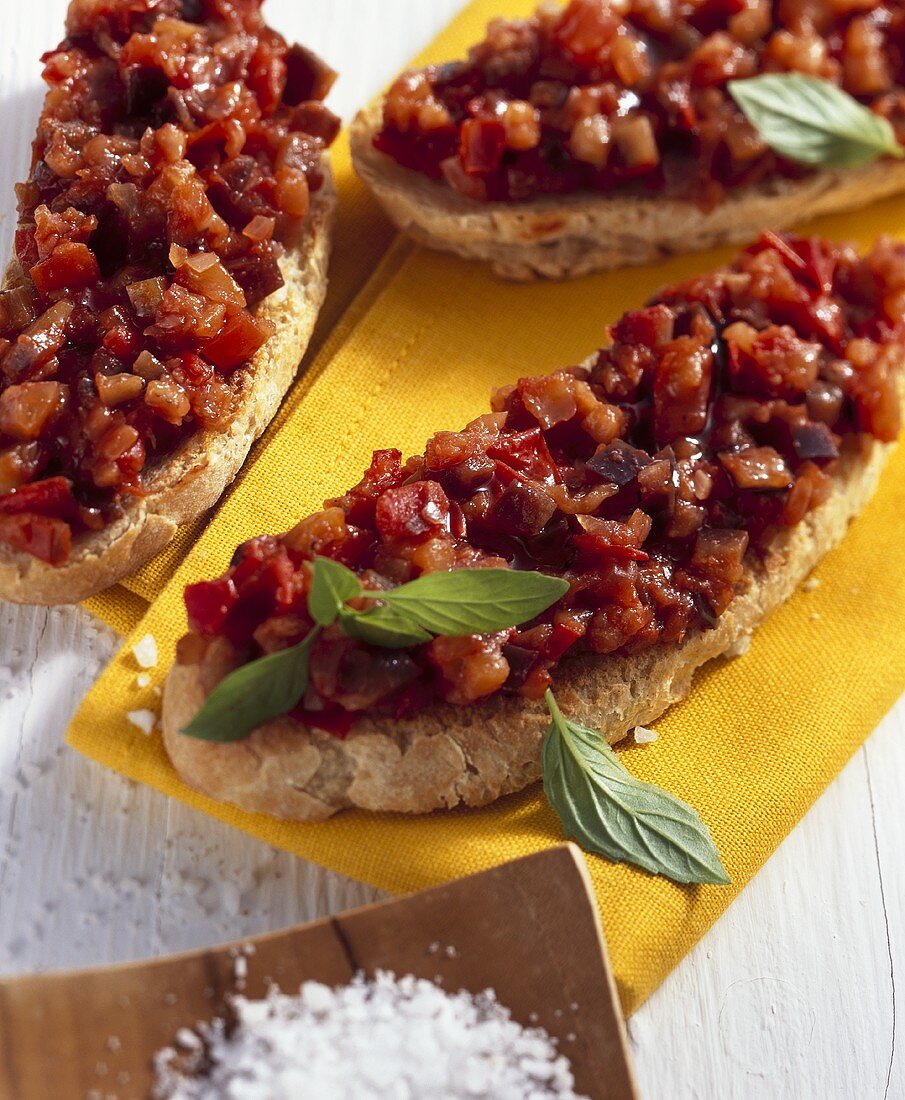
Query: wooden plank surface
x=791 y=995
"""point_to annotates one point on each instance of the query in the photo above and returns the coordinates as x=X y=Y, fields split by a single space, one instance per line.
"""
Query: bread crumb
x=810 y=584
x=644 y=736
x=145 y=651
x=145 y=720
x=740 y=646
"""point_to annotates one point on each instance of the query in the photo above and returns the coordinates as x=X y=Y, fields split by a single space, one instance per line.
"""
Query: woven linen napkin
x=419 y=349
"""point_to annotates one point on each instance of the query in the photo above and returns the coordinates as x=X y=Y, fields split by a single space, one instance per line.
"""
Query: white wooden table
x=792 y=994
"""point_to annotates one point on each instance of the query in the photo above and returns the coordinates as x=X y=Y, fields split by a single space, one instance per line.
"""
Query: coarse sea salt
x=644 y=736
x=145 y=720
x=145 y=651
x=392 y=1039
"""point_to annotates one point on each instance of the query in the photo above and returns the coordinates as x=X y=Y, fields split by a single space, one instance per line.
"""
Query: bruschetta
x=683 y=481
x=604 y=134
x=170 y=262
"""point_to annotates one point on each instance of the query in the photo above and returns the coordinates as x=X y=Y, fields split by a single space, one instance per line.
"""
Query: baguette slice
x=450 y=755
x=564 y=237
x=193 y=478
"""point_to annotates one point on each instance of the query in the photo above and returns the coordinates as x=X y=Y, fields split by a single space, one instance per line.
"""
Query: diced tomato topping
x=237 y=341
x=49 y=540
x=51 y=497
x=208 y=603
x=650 y=480
x=179 y=149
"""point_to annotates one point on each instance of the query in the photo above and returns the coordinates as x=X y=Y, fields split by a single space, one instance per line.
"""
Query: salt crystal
x=145 y=720
x=142 y=680
x=113 y=1043
x=815 y=616
x=240 y=970
x=810 y=584
x=366 y=1041
x=145 y=651
x=187 y=1039
x=644 y=736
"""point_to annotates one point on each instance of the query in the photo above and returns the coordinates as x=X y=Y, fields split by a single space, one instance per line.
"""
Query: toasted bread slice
x=566 y=236
x=449 y=755
x=192 y=479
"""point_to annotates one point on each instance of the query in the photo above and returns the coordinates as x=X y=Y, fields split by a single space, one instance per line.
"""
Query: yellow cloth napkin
x=419 y=350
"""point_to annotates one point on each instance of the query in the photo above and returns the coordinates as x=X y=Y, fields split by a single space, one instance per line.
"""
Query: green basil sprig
x=254 y=693
x=610 y=812
x=465 y=601
x=813 y=121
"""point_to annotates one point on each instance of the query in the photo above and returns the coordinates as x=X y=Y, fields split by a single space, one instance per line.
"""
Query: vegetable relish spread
x=631 y=94
x=711 y=421
x=178 y=147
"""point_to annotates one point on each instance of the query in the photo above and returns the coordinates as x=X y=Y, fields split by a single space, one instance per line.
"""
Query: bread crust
x=450 y=755
x=192 y=479
x=567 y=236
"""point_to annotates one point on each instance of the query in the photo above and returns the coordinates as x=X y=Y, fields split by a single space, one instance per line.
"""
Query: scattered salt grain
x=142 y=680
x=810 y=584
x=187 y=1039
x=644 y=736
x=145 y=720
x=367 y=1040
x=113 y=1043
x=240 y=971
x=815 y=616
x=145 y=651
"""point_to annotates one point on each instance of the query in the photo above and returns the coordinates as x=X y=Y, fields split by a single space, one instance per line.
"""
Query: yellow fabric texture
x=419 y=350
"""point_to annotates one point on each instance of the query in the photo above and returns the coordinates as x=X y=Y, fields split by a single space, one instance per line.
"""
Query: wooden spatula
x=528 y=929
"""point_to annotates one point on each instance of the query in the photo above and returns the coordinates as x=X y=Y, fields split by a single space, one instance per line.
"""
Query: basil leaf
x=610 y=812
x=253 y=694
x=383 y=626
x=475 y=601
x=331 y=585
x=813 y=121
